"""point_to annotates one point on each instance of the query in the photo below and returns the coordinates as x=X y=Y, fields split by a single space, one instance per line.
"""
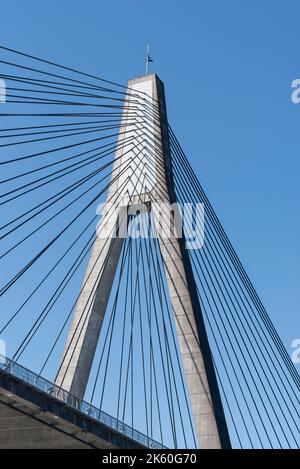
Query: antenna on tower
x=148 y=58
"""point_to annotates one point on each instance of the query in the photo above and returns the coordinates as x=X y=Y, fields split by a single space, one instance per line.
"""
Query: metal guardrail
x=93 y=412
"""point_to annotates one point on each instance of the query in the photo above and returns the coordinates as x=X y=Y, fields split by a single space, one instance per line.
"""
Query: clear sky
x=227 y=69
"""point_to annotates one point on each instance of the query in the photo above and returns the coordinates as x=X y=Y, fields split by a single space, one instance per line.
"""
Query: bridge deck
x=34 y=414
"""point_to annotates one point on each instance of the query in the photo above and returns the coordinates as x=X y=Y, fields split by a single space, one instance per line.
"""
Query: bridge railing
x=93 y=412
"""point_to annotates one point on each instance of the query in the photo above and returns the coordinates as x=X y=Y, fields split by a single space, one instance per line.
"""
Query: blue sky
x=227 y=69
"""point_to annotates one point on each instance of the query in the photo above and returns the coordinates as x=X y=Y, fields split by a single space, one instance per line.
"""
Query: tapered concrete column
x=89 y=312
x=197 y=362
x=142 y=172
x=189 y=344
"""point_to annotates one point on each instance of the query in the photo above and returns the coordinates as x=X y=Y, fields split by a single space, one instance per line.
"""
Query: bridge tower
x=147 y=177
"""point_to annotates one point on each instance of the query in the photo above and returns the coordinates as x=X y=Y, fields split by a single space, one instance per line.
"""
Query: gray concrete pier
x=129 y=188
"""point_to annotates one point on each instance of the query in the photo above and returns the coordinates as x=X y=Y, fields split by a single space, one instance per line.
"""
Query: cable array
x=62 y=139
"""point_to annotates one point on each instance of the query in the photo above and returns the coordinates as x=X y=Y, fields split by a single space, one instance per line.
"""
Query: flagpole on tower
x=148 y=58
